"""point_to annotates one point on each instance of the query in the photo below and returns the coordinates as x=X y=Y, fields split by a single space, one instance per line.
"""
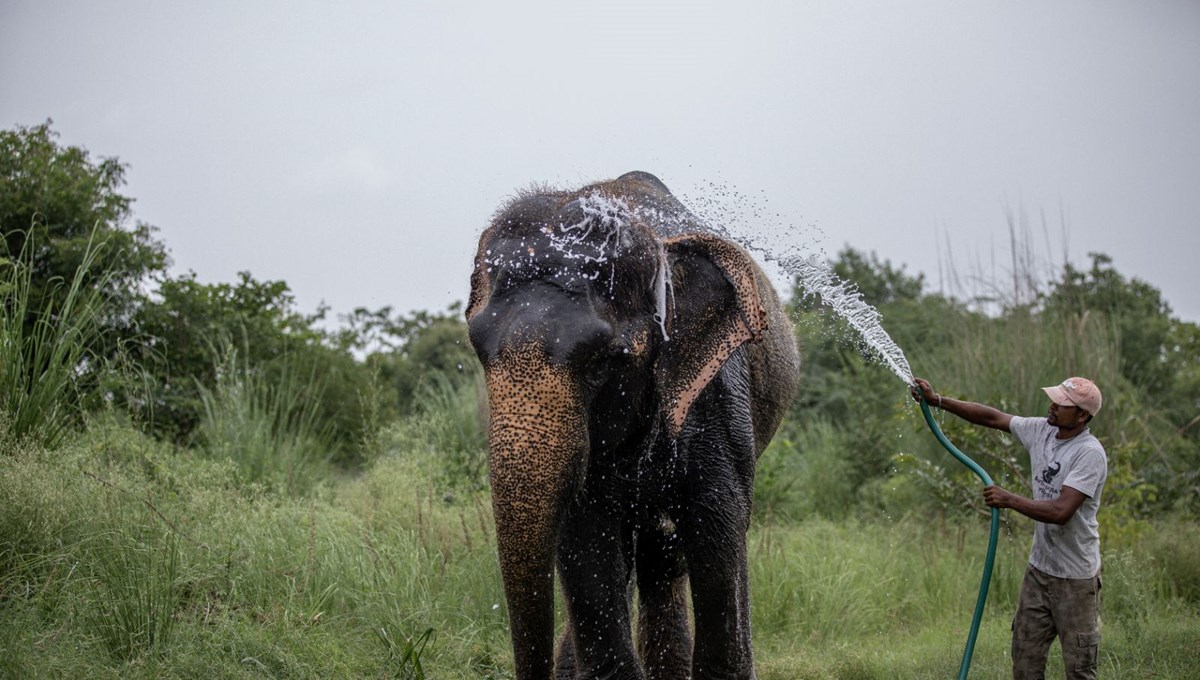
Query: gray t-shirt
x=1071 y=550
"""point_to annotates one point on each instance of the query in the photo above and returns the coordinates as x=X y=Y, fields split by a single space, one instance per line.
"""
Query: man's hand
x=995 y=497
x=922 y=388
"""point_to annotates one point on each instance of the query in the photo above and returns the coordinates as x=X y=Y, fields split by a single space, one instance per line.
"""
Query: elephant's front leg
x=595 y=566
x=715 y=544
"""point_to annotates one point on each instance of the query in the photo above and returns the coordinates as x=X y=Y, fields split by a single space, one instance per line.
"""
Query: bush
x=805 y=472
x=1176 y=550
x=445 y=432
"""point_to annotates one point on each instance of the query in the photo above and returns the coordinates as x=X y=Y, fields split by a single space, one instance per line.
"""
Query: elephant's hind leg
x=714 y=537
x=564 y=665
x=664 y=638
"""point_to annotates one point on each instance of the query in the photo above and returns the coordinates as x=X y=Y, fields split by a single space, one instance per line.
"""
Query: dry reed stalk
x=462 y=517
x=420 y=521
x=482 y=513
x=311 y=553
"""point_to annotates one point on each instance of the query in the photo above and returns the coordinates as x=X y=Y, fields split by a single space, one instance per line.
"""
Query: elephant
x=636 y=365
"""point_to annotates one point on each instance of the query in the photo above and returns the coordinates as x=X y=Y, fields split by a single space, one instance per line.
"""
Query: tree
x=53 y=200
x=1142 y=318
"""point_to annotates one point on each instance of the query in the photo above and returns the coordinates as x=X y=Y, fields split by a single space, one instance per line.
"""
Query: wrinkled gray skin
x=622 y=449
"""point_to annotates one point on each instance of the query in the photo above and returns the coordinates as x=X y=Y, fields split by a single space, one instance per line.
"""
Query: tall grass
x=805 y=473
x=44 y=344
x=80 y=541
x=267 y=421
x=1005 y=361
x=447 y=429
x=907 y=573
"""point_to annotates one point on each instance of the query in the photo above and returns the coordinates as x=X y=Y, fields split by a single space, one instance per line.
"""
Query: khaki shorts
x=1052 y=607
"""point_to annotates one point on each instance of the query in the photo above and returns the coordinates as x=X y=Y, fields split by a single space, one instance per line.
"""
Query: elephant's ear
x=481 y=283
x=717 y=307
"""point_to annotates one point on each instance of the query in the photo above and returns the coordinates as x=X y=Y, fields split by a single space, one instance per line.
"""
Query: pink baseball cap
x=1076 y=391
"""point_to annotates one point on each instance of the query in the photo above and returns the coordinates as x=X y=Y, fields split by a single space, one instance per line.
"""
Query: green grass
x=122 y=558
x=135 y=589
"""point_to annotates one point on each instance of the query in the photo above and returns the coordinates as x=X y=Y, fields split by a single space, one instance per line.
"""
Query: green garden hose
x=991 y=551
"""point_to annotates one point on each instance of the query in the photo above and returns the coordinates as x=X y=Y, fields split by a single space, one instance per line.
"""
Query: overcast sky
x=356 y=149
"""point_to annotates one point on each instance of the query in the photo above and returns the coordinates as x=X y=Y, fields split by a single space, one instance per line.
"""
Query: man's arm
x=1054 y=511
x=978 y=414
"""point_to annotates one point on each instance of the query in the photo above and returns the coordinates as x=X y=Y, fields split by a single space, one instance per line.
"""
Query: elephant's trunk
x=537 y=449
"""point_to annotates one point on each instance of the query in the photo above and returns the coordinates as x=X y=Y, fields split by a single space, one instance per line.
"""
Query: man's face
x=1066 y=416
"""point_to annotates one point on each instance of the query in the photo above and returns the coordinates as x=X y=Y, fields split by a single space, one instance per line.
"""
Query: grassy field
x=124 y=558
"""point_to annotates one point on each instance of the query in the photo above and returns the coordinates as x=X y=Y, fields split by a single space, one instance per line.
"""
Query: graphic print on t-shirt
x=1050 y=471
x=1045 y=480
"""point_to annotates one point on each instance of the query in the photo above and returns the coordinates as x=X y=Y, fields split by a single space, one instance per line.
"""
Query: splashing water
x=843 y=298
x=604 y=214
x=796 y=259
x=595 y=239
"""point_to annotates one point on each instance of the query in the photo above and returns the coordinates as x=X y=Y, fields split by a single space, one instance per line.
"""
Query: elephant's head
x=593 y=330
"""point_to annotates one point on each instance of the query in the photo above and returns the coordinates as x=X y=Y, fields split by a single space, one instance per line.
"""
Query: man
x=1060 y=594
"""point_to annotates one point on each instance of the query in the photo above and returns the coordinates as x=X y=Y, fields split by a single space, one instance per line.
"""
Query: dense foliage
x=160 y=346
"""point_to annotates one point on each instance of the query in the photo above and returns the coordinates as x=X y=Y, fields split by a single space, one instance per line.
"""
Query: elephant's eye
x=603 y=362
x=597 y=372
x=504 y=281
